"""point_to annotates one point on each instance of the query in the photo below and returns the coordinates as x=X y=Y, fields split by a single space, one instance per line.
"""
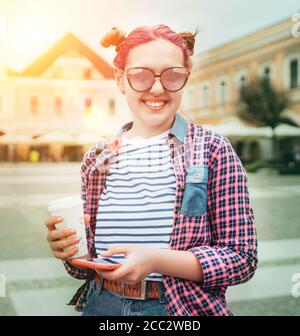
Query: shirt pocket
x=194 y=202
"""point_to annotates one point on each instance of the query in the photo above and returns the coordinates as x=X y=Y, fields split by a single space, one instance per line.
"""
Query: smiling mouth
x=155 y=105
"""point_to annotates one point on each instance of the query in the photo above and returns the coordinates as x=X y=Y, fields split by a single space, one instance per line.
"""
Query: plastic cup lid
x=63 y=203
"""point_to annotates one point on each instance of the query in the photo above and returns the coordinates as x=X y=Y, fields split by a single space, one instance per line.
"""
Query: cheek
x=132 y=96
x=176 y=99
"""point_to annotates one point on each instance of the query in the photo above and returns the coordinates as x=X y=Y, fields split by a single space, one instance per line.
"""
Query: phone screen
x=105 y=261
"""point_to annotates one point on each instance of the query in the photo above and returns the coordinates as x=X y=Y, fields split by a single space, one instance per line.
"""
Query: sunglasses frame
x=187 y=76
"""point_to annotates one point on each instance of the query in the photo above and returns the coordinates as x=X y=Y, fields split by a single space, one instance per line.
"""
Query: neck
x=140 y=130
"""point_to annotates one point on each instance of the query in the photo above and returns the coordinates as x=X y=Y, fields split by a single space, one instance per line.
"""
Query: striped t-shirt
x=137 y=202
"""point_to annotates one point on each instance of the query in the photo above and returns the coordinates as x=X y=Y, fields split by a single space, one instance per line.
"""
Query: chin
x=157 y=118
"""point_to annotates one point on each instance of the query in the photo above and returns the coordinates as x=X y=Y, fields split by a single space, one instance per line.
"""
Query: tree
x=262 y=105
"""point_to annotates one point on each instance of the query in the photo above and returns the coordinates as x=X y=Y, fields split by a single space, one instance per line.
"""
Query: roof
x=66 y=43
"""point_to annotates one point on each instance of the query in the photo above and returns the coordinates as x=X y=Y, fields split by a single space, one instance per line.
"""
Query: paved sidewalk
x=42 y=287
x=37 y=283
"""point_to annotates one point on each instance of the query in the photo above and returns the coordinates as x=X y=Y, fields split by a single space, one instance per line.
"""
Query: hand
x=139 y=263
x=60 y=239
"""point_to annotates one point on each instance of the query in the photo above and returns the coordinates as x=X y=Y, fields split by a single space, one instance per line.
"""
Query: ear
x=120 y=80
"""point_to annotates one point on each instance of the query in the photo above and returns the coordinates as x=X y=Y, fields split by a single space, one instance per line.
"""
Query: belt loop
x=161 y=291
x=122 y=288
x=100 y=285
x=144 y=289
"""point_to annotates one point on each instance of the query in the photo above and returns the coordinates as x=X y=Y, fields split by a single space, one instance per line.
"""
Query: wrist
x=156 y=259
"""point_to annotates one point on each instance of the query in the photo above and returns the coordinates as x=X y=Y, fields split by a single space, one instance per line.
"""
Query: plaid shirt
x=212 y=217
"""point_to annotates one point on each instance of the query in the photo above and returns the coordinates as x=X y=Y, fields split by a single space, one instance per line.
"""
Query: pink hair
x=146 y=34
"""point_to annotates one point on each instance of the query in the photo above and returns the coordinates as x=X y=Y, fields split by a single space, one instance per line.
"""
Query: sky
x=30 y=27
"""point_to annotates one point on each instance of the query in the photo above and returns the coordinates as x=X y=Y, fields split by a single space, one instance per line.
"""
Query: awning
x=236 y=127
x=15 y=139
x=55 y=137
x=287 y=130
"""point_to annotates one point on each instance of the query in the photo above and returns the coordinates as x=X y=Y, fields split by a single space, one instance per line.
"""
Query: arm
x=231 y=258
x=178 y=264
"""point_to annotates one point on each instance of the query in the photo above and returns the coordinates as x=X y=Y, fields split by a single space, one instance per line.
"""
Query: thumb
x=114 y=250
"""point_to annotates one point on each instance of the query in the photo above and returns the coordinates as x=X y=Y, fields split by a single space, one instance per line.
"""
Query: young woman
x=166 y=197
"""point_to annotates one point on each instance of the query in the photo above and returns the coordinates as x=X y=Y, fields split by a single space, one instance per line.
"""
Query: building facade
x=67 y=99
x=60 y=105
x=213 y=92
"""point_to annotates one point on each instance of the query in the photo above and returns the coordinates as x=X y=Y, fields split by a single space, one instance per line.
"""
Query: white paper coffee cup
x=71 y=210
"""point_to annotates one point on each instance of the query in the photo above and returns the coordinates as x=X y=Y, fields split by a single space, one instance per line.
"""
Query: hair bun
x=114 y=37
x=189 y=40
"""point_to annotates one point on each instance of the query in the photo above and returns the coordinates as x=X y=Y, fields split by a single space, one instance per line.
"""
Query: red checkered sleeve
x=231 y=258
x=75 y=272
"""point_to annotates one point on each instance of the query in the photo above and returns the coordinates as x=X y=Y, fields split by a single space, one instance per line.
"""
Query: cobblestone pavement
x=37 y=284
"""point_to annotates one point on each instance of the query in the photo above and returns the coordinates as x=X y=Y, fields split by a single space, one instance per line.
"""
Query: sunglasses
x=142 y=79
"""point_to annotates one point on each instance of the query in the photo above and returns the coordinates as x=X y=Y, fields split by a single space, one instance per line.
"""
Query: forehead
x=156 y=55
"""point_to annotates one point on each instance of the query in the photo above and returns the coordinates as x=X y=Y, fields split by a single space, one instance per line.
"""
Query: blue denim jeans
x=103 y=302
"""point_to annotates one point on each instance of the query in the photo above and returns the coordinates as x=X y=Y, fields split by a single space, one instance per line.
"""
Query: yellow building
x=60 y=105
x=218 y=74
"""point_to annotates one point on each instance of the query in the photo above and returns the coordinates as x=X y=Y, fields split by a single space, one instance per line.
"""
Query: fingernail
x=60 y=219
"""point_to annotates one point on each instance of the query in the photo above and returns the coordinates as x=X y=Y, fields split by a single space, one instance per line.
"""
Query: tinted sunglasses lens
x=140 y=79
x=174 y=79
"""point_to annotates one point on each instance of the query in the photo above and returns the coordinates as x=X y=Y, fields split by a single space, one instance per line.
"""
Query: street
x=37 y=284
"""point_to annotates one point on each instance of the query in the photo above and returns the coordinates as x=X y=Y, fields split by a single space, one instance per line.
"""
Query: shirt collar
x=178 y=129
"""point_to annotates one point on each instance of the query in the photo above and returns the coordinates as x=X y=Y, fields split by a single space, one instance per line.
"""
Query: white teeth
x=154 y=104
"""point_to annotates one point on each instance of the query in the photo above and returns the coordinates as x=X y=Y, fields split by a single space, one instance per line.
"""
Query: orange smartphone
x=102 y=264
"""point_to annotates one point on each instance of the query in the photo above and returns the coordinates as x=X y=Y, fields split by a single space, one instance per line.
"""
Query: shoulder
x=212 y=143
x=219 y=154
x=90 y=156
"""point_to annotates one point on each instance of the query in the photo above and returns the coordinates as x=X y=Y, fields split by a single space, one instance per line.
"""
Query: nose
x=157 y=87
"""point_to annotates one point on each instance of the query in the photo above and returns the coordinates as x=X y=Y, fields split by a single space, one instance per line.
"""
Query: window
x=267 y=73
x=188 y=99
x=87 y=73
x=88 y=106
x=58 y=106
x=293 y=73
x=222 y=90
x=292 y=70
x=34 y=105
x=241 y=79
x=205 y=95
x=112 y=106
